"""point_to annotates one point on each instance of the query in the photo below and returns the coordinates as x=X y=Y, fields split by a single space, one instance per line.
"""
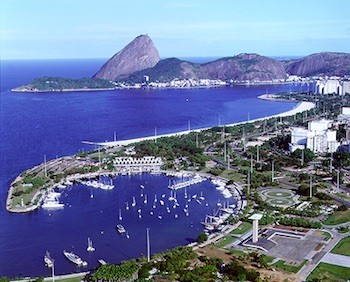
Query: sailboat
x=48 y=260
x=120 y=215
x=139 y=211
x=91 y=194
x=133 y=202
x=90 y=248
x=171 y=198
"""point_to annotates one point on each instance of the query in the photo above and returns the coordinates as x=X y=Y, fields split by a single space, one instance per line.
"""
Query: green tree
x=202 y=237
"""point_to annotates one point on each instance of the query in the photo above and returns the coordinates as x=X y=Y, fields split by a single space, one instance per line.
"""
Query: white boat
x=120 y=215
x=61 y=186
x=133 y=202
x=142 y=187
x=145 y=200
x=201 y=196
x=91 y=194
x=127 y=234
x=171 y=198
x=90 y=248
x=126 y=205
x=48 y=260
x=52 y=202
x=161 y=202
x=120 y=228
x=74 y=258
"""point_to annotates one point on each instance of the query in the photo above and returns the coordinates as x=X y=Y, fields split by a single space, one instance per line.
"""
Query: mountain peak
x=139 y=54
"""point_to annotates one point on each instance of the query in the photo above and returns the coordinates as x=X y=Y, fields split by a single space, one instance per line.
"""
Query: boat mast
x=148 y=246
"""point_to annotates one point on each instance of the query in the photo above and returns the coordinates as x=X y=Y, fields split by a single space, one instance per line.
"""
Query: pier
x=183 y=184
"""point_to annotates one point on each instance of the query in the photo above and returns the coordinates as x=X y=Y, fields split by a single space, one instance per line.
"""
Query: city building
x=332 y=86
x=344 y=117
x=319 y=138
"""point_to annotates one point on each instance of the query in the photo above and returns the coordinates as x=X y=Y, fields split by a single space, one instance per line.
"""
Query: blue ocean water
x=54 y=124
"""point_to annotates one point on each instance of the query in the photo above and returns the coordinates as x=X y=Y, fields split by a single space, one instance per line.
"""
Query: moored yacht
x=74 y=258
x=48 y=260
x=120 y=228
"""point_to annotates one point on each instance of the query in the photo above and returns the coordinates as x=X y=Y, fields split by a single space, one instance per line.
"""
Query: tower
x=255 y=217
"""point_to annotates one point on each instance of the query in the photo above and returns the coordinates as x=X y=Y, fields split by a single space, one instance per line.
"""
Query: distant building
x=319 y=138
x=332 y=86
x=345 y=115
x=346 y=87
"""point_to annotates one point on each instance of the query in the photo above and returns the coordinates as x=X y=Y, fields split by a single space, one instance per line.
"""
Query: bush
x=342 y=208
x=202 y=237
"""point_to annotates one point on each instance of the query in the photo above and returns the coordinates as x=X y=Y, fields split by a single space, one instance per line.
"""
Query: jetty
x=183 y=184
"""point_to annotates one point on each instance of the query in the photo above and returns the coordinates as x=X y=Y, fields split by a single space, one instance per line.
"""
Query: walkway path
x=337 y=259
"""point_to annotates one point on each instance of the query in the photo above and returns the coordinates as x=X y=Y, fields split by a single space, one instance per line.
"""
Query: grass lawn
x=237 y=253
x=243 y=228
x=338 y=217
x=326 y=235
x=281 y=264
x=329 y=272
x=225 y=241
x=232 y=175
x=343 y=247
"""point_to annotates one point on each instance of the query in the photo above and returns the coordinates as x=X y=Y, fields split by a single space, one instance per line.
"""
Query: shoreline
x=38 y=197
x=300 y=107
x=25 y=89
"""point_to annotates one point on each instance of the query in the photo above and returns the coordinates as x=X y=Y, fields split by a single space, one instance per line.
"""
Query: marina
x=91 y=212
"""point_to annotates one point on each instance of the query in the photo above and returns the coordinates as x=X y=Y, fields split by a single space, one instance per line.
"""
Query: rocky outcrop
x=167 y=70
x=245 y=67
x=320 y=64
x=138 y=55
x=241 y=67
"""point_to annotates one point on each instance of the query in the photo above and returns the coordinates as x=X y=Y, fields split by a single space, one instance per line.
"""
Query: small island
x=61 y=84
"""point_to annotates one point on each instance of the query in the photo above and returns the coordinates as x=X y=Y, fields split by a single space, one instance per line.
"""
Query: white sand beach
x=299 y=108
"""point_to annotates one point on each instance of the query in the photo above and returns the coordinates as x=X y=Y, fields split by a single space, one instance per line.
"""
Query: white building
x=345 y=115
x=346 y=87
x=332 y=86
x=319 y=138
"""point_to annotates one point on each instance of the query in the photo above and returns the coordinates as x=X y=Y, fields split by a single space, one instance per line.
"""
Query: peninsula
x=139 y=65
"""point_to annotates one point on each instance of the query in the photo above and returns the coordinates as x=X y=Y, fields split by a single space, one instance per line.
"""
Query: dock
x=183 y=184
x=102 y=262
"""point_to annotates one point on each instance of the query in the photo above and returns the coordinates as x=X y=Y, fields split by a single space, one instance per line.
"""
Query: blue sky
x=32 y=29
